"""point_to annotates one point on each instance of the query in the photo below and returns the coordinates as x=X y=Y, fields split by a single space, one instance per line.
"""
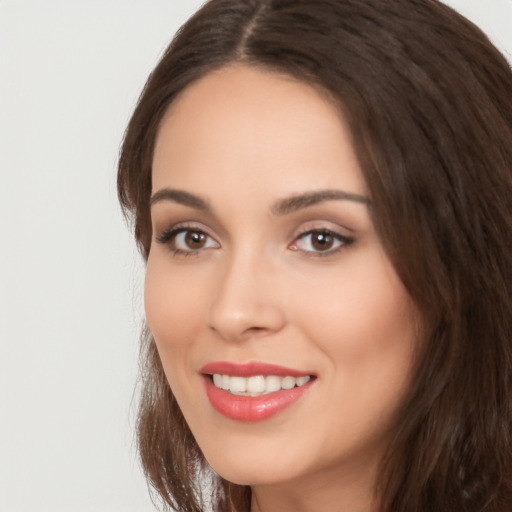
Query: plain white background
x=70 y=278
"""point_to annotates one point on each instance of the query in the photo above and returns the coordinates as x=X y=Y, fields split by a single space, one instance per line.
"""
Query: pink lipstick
x=253 y=391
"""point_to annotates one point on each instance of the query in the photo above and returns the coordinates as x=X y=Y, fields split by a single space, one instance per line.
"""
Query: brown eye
x=322 y=241
x=183 y=240
x=195 y=239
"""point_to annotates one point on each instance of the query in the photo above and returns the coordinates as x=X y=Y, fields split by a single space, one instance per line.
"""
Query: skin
x=258 y=289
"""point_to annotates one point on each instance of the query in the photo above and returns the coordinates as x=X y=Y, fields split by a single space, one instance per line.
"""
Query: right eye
x=187 y=240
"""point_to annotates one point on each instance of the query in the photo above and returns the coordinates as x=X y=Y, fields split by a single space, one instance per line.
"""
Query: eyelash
x=168 y=237
x=344 y=242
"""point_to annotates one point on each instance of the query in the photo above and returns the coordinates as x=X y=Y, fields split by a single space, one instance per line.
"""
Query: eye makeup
x=187 y=240
x=321 y=242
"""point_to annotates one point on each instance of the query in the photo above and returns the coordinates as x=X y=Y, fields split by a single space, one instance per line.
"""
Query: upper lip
x=251 y=369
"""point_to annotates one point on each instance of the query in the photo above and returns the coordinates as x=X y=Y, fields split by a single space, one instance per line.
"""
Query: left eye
x=320 y=241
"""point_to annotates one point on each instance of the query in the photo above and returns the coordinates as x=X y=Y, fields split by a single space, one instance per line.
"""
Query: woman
x=323 y=193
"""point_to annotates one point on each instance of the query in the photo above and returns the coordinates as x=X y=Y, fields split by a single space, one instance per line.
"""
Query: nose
x=246 y=302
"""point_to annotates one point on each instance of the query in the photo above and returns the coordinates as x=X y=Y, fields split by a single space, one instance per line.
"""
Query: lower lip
x=252 y=408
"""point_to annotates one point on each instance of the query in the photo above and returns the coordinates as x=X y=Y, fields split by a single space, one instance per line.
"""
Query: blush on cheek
x=357 y=325
x=171 y=308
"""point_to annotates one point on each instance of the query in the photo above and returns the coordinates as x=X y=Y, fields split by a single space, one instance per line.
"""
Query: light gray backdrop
x=70 y=279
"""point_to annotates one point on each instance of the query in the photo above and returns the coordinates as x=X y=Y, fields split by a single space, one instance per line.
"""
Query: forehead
x=256 y=129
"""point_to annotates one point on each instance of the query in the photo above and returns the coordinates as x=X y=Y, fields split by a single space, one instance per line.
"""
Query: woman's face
x=265 y=270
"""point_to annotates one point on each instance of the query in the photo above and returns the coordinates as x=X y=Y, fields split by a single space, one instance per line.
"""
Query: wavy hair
x=428 y=100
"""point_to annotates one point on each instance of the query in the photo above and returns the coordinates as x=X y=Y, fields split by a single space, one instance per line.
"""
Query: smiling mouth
x=254 y=391
x=257 y=385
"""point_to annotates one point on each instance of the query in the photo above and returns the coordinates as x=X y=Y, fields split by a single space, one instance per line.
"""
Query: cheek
x=369 y=319
x=172 y=317
x=366 y=330
x=366 y=323
x=169 y=304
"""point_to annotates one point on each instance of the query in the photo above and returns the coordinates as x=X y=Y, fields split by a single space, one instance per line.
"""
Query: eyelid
x=168 y=235
x=323 y=225
x=180 y=232
x=343 y=241
x=170 y=227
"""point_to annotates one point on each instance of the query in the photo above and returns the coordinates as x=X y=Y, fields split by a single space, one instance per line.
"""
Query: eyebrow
x=281 y=207
x=181 y=197
x=306 y=199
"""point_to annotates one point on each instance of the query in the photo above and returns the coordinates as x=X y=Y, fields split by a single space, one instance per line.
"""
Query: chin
x=253 y=471
x=251 y=476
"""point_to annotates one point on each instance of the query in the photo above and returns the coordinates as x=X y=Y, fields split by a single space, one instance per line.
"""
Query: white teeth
x=302 y=380
x=288 y=382
x=272 y=383
x=217 y=380
x=258 y=384
x=237 y=385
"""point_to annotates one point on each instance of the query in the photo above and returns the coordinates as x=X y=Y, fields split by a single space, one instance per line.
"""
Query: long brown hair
x=429 y=103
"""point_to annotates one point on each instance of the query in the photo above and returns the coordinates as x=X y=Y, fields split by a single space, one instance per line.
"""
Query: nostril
x=235 y=317
x=256 y=329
